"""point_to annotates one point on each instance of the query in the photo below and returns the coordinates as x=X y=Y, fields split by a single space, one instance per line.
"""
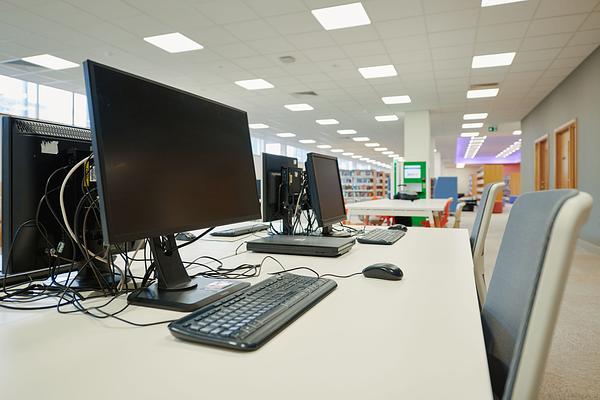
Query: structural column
x=417 y=140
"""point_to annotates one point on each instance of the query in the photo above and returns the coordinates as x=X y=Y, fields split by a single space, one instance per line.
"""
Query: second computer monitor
x=325 y=188
x=272 y=165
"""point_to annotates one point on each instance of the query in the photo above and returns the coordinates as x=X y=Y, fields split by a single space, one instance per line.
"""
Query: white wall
x=462 y=174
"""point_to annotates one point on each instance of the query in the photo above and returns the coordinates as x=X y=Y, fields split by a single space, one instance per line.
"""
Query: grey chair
x=458 y=215
x=526 y=288
x=479 y=233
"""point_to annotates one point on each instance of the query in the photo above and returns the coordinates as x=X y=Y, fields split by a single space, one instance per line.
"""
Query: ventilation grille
x=484 y=86
x=24 y=127
x=303 y=95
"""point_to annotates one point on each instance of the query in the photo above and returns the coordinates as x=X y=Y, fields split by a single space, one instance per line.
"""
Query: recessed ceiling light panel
x=337 y=150
x=286 y=134
x=254 y=84
x=173 y=42
x=361 y=139
x=469 y=134
x=324 y=146
x=472 y=125
x=299 y=107
x=307 y=141
x=481 y=93
x=372 y=144
x=258 y=126
x=517 y=132
x=403 y=99
x=346 y=132
x=50 y=62
x=489 y=3
x=386 y=118
x=469 y=117
x=493 y=60
x=327 y=121
x=378 y=71
x=344 y=16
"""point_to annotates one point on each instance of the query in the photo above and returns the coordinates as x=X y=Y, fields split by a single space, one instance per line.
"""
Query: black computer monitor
x=36 y=157
x=272 y=187
x=325 y=191
x=167 y=161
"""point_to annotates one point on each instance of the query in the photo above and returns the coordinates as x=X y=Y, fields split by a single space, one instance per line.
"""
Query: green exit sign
x=492 y=128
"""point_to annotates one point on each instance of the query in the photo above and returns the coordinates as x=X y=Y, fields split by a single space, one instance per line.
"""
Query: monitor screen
x=167 y=161
x=325 y=189
x=412 y=171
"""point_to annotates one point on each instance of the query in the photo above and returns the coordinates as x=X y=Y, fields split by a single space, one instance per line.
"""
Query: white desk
x=398 y=208
x=419 y=338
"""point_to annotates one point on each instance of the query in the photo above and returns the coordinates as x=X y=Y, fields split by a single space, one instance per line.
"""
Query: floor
x=573 y=364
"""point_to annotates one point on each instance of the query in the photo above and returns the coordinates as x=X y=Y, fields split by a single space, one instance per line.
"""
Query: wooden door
x=542 y=166
x=566 y=156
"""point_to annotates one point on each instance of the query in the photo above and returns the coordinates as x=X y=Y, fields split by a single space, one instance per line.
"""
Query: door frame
x=547 y=163
x=572 y=151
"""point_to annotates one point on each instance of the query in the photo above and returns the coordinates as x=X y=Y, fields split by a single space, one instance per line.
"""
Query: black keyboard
x=239 y=231
x=381 y=236
x=247 y=319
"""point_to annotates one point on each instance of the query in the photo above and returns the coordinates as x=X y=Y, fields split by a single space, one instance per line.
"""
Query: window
x=273 y=148
x=80 y=111
x=258 y=145
x=55 y=105
x=18 y=97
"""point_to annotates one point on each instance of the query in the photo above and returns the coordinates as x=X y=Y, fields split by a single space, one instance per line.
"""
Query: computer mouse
x=385 y=271
x=398 y=227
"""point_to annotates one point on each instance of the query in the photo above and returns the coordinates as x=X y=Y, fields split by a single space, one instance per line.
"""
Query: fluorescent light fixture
x=356 y=156
x=403 y=99
x=324 y=146
x=472 y=125
x=388 y=152
x=460 y=165
x=254 y=84
x=372 y=144
x=489 y=3
x=386 y=118
x=392 y=155
x=346 y=132
x=173 y=42
x=258 y=126
x=480 y=93
x=364 y=159
x=307 y=141
x=435 y=150
x=327 y=121
x=344 y=16
x=361 y=139
x=517 y=132
x=381 y=149
x=379 y=71
x=347 y=154
x=399 y=158
x=299 y=107
x=516 y=146
x=286 y=134
x=50 y=62
x=468 y=117
x=337 y=150
x=469 y=134
x=493 y=60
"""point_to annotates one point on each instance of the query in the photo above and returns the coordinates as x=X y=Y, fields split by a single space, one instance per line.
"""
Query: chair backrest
x=479 y=233
x=458 y=214
x=446 y=214
x=526 y=289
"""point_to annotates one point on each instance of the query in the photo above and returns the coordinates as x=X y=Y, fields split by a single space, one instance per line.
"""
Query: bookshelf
x=361 y=185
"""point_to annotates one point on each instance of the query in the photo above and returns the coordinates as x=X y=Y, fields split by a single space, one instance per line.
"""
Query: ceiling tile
x=272 y=45
x=554 y=8
x=452 y=20
x=586 y=37
x=357 y=34
x=324 y=53
x=535 y=55
x=364 y=49
x=547 y=26
x=516 y=30
x=411 y=56
x=592 y=22
x=411 y=43
x=531 y=66
x=521 y=11
x=383 y=10
x=439 y=6
x=235 y=50
x=295 y=23
x=452 y=38
x=310 y=40
x=268 y=8
x=577 y=51
x=234 y=12
x=446 y=53
x=249 y=30
x=401 y=27
x=545 y=42
x=566 y=62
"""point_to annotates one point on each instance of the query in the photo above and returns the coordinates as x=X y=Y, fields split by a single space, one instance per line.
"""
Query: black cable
x=342 y=276
x=191 y=241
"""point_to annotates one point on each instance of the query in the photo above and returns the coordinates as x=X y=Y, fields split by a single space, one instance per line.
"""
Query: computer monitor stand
x=175 y=289
x=328 y=231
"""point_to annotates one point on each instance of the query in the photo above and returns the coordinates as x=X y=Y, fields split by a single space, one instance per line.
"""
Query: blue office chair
x=526 y=289
x=479 y=233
